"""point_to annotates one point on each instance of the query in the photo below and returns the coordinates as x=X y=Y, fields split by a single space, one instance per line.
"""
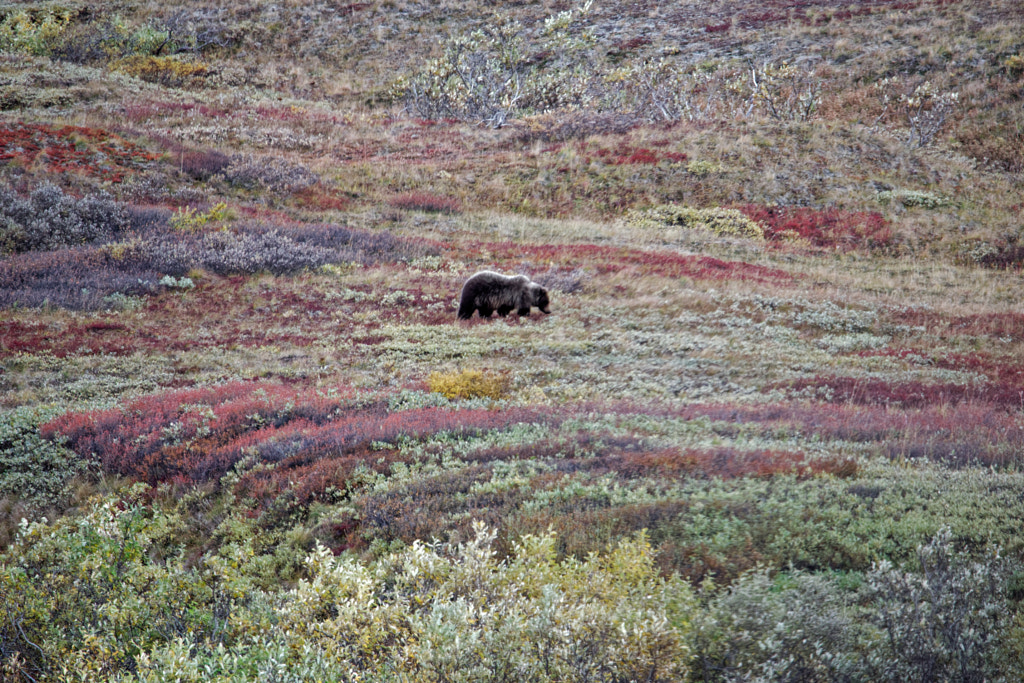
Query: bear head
x=540 y=298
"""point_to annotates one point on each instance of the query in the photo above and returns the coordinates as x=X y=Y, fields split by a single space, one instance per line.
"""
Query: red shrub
x=353 y=7
x=1007 y=257
x=959 y=434
x=182 y=427
x=199 y=434
x=424 y=507
x=77 y=278
x=217 y=313
x=578 y=445
x=141 y=111
x=632 y=44
x=320 y=197
x=202 y=164
x=624 y=154
x=822 y=228
x=581 y=531
x=1003 y=325
x=72 y=149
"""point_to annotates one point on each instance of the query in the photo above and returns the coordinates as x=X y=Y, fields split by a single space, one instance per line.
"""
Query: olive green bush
x=721 y=222
x=35 y=31
x=796 y=627
x=951 y=619
x=946 y=622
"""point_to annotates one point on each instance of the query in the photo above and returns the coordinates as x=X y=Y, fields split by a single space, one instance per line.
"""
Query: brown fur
x=488 y=291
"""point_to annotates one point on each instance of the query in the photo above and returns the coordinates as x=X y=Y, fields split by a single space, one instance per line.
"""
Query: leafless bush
x=273 y=248
x=359 y=246
x=425 y=201
x=664 y=90
x=104 y=37
x=786 y=92
x=80 y=278
x=203 y=164
x=200 y=30
x=50 y=219
x=148 y=220
x=498 y=72
x=923 y=108
x=225 y=252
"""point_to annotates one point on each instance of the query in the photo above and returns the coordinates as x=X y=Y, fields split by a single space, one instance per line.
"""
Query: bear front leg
x=486 y=312
x=524 y=312
x=504 y=310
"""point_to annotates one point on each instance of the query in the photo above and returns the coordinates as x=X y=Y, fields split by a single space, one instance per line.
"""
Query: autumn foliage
x=313 y=438
x=830 y=228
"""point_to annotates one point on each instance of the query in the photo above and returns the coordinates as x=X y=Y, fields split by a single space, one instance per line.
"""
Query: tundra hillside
x=772 y=430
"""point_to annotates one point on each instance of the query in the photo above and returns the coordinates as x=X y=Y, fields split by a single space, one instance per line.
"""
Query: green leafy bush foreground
x=112 y=595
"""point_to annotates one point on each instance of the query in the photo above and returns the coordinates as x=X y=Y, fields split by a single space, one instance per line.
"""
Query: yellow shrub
x=165 y=70
x=469 y=384
x=189 y=220
x=124 y=251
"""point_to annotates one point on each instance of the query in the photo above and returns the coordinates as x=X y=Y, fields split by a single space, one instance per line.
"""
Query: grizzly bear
x=488 y=291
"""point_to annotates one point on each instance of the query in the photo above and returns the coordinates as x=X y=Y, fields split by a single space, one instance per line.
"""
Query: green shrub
x=1014 y=65
x=788 y=628
x=457 y=613
x=913 y=199
x=35 y=32
x=952 y=619
x=108 y=595
x=85 y=596
x=701 y=168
